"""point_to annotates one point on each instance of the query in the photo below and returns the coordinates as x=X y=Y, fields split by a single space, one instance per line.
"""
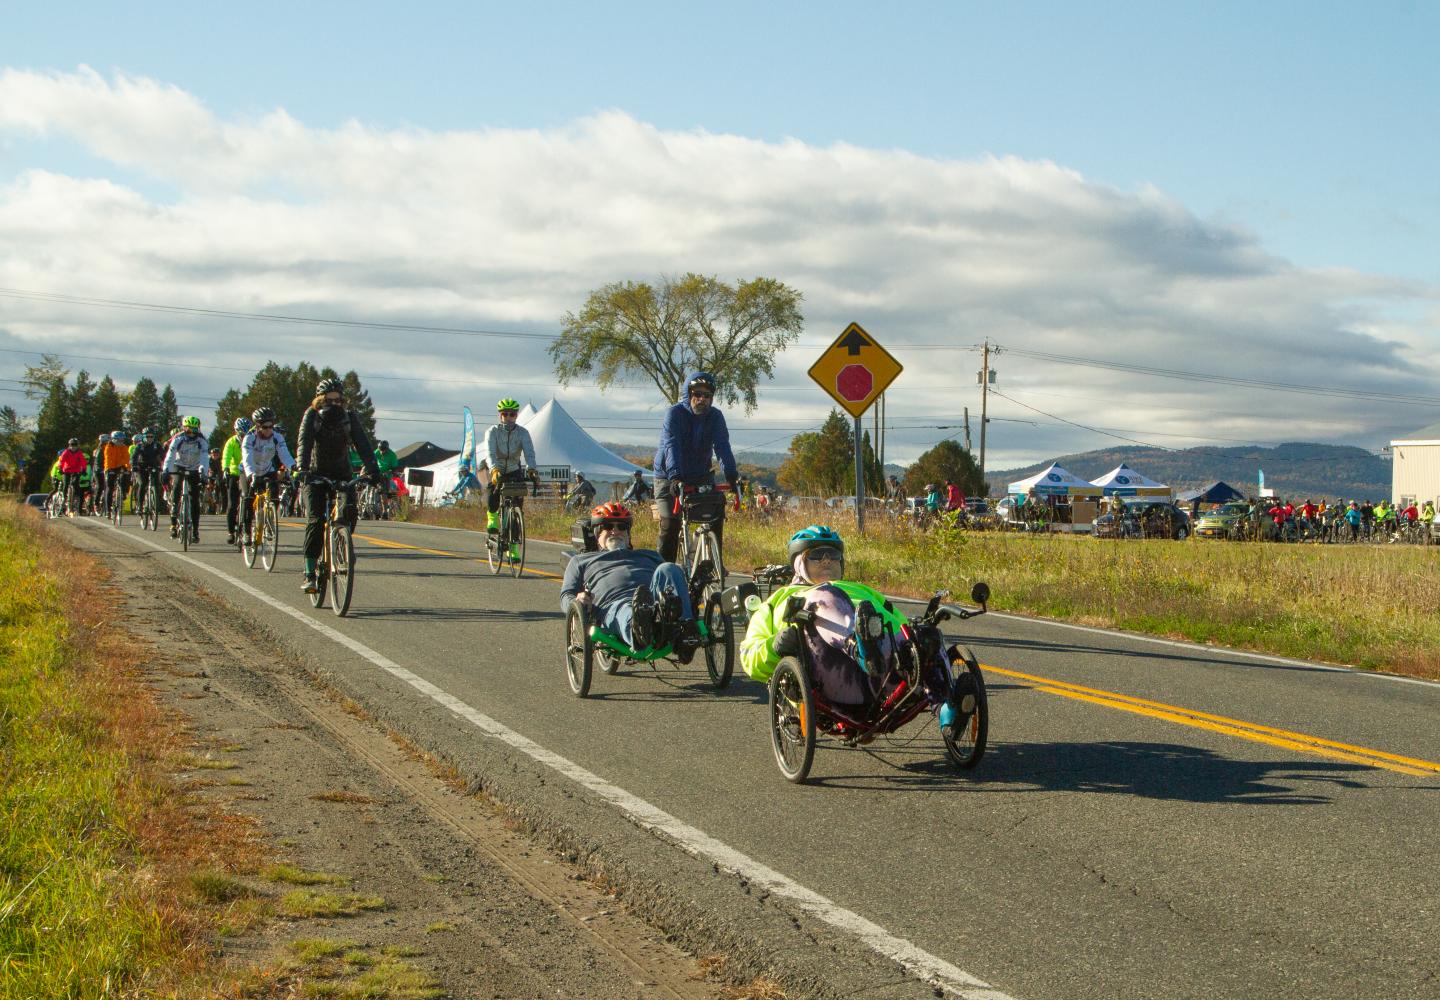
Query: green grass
x=343 y=969
x=1376 y=607
x=214 y=887
x=74 y=918
x=307 y=903
x=294 y=875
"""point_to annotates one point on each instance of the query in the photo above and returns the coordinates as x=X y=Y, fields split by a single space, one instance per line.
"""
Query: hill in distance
x=1292 y=470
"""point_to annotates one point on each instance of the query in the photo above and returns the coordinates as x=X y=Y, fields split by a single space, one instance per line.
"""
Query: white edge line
x=930 y=968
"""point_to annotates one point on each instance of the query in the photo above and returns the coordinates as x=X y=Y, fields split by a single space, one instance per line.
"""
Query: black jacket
x=326 y=449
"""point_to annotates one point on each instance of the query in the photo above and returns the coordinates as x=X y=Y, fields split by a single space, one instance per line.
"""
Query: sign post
x=855 y=370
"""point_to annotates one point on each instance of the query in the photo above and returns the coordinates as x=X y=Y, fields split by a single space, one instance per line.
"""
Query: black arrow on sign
x=854 y=340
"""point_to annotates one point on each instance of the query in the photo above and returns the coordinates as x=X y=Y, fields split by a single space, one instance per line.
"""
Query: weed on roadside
x=304 y=904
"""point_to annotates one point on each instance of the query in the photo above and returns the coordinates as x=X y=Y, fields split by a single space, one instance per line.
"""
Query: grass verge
x=1375 y=607
x=111 y=880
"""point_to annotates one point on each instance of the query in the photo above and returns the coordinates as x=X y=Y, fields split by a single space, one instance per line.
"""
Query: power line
x=1084 y=427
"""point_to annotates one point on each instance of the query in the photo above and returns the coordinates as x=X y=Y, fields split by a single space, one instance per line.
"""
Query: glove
x=677 y=487
x=787 y=643
x=734 y=484
x=494 y=477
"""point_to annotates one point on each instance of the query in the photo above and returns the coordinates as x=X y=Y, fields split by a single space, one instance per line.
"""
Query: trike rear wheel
x=965 y=742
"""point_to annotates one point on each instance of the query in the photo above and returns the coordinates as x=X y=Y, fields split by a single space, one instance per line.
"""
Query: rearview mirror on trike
x=980 y=594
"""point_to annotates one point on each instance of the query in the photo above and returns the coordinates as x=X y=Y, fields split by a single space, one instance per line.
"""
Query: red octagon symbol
x=854 y=383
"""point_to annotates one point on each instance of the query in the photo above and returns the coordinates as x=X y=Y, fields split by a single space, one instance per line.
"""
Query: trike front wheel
x=792 y=720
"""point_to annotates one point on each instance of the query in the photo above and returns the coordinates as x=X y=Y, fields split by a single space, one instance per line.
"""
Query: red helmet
x=608 y=515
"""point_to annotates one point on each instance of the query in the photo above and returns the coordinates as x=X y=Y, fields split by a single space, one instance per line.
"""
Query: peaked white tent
x=527 y=414
x=560 y=441
x=1055 y=481
x=1126 y=482
x=447 y=476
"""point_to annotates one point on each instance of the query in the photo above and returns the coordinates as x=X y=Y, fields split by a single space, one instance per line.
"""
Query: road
x=1152 y=819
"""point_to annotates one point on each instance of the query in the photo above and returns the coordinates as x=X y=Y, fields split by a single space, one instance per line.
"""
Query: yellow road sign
x=855 y=369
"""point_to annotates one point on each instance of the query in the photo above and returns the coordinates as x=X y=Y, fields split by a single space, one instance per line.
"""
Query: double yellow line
x=1253 y=731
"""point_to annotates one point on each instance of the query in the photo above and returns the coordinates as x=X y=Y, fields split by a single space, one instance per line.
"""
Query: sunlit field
x=1370 y=606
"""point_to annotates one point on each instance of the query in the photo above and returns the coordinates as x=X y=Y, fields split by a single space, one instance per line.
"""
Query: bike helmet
x=191 y=423
x=263 y=415
x=148 y=432
x=328 y=385
x=814 y=537
x=104 y=438
x=700 y=380
x=610 y=515
x=384 y=445
x=74 y=442
x=214 y=452
x=242 y=425
x=507 y=404
x=118 y=437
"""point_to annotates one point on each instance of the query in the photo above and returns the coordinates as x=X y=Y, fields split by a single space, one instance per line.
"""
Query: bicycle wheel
x=720 y=644
x=184 y=501
x=579 y=650
x=494 y=552
x=269 y=537
x=342 y=569
x=117 y=510
x=965 y=743
x=247 y=542
x=792 y=720
x=517 y=541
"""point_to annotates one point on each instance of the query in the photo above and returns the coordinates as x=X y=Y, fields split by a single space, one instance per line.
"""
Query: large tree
x=106 y=410
x=629 y=331
x=15 y=440
x=947 y=460
x=169 y=411
x=360 y=402
x=143 y=408
x=822 y=463
x=289 y=391
x=54 y=424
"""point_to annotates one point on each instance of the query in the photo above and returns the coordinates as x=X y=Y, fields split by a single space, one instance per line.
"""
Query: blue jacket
x=687 y=441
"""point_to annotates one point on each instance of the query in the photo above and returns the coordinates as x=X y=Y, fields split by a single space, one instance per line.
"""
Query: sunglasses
x=509 y=413
x=702 y=395
x=267 y=427
x=823 y=554
x=614 y=526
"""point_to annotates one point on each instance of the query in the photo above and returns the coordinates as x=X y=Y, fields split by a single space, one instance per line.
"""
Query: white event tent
x=1055 y=481
x=562 y=447
x=1126 y=482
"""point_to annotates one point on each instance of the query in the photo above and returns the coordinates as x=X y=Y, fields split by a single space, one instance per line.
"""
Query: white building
x=1415 y=466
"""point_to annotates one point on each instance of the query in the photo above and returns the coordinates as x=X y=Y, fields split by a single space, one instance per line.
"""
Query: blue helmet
x=814 y=537
x=243 y=425
x=703 y=380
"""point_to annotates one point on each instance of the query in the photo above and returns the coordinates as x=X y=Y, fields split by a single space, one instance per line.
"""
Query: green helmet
x=813 y=537
x=190 y=422
x=507 y=404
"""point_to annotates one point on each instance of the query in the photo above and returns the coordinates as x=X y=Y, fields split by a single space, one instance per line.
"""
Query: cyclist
x=506 y=445
x=1427 y=515
x=72 y=466
x=693 y=430
x=387 y=462
x=263 y=454
x=187 y=458
x=230 y=467
x=582 y=493
x=97 y=469
x=117 y=466
x=624 y=585
x=328 y=431
x=145 y=459
x=638 y=491
x=817 y=555
x=1355 y=518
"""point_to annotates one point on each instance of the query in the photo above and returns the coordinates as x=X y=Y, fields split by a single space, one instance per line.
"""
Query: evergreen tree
x=169 y=412
x=143 y=408
x=14 y=444
x=52 y=430
x=822 y=463
x=229 y=409
x=81 y=415
x=359 y=400
x=105 y=408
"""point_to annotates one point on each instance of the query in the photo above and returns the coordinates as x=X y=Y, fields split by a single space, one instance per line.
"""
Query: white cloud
x=508 y=228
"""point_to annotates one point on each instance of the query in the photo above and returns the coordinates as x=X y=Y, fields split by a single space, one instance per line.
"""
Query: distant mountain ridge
x=1294 y=469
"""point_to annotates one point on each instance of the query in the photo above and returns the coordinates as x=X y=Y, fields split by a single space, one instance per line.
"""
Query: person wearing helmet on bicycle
x=509 y=452
x=693 y=430
x=263 y=452
x=187 y=456
x=582 y=493
x=72 y=465
x=230 y=467
x=625 y=585
x=145 y=460
x=97 y=470
x=117 y=466
x=328 y=431
x=817 y=556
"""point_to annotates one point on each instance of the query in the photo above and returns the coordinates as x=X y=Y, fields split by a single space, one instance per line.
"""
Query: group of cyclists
x=1340 y=521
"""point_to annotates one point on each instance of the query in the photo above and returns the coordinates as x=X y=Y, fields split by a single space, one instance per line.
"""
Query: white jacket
x=258 y=454
x=188 y=454
x=504 y=446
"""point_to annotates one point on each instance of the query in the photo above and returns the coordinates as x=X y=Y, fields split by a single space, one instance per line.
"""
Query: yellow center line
x=1253 y=731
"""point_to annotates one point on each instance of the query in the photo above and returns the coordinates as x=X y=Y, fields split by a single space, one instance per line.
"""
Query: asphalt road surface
x=1151 y=820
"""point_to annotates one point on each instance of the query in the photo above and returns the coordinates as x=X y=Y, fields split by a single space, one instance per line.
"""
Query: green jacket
x=386 y=461
x=231 y=457
x=757 y=650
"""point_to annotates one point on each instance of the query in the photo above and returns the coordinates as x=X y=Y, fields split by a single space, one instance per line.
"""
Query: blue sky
x=1298 y=139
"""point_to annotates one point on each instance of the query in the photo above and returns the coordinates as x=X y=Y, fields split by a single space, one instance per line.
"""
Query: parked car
x=1220 y=522
x=36 y=500
x=1145 y=517
x=977 y=506
x=1005 y=509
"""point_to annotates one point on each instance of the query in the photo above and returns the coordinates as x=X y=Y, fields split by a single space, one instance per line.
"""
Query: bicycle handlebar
x=718 y=488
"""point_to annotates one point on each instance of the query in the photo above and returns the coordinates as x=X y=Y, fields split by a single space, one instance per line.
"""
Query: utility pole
x=967 y=428
x=984 y=400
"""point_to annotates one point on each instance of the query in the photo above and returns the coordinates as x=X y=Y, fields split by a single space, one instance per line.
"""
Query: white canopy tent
x=560 y=441
x=1126 y=482
x=1055 y=481
x=527 y=414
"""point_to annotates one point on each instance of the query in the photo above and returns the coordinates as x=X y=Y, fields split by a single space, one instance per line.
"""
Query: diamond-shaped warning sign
x=855 y=369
